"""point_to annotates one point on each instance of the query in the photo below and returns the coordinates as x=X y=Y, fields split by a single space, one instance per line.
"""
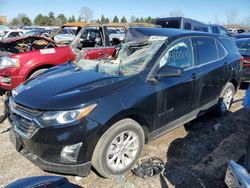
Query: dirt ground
x=195 y=154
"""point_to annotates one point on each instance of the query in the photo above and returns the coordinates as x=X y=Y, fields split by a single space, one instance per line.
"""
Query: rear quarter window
x=221 y=51
x=229 y=44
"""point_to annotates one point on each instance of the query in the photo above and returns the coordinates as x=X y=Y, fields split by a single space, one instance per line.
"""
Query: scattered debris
x=148 y=167
x=78 y=178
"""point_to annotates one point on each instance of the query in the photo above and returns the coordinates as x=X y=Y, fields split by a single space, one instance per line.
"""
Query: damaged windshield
x=131 y=60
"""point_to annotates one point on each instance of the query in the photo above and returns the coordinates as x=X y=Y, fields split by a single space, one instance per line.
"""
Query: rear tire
x=225 y=100
x=119 y=148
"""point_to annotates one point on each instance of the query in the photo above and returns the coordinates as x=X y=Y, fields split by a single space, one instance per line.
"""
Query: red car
x=244 y=49
x=25 y=57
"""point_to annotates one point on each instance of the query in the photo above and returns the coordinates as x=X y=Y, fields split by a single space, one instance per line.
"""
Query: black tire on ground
x=225 y=100
x=125 y=139
x=37 y=72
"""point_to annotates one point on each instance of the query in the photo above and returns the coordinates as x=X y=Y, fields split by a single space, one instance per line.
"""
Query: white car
x=3 y=30
x=13 y=33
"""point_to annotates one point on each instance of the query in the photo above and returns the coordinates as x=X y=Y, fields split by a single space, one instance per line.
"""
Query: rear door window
x=180 y=55
x=206 y=50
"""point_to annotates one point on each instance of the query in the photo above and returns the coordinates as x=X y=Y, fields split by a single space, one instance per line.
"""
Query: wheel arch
x=235 y=83
x=45 y=66
x=139 y=118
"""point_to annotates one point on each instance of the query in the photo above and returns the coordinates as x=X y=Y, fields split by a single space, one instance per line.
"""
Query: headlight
x=65 y=117
x=9 y=62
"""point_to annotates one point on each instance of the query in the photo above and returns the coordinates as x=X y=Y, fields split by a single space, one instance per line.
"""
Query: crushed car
x=24 y=57
x=101 y=112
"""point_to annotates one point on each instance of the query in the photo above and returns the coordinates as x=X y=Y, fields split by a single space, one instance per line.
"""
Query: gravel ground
x=195 y=154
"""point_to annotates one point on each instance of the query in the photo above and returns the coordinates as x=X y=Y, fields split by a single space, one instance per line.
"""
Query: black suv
x=101 y=112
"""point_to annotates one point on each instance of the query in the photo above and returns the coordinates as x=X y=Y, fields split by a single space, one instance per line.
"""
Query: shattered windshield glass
x=131 y=60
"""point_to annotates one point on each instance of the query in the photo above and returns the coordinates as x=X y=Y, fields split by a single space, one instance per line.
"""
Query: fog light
x=71 y=152
x=6 y=80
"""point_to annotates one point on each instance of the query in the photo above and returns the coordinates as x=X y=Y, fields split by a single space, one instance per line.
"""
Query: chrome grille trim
x=24 y=120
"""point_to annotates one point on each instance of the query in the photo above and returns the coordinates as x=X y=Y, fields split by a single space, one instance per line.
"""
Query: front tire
x=37 y=73
x=119 y=148
x=226 y=99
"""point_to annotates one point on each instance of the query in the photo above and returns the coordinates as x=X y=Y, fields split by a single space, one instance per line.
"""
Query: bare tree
x=176 y=13
x=246 y=21
x=86 y=14
x=231 y=15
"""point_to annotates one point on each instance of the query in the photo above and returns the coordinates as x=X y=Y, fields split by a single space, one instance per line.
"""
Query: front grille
x=23 y=119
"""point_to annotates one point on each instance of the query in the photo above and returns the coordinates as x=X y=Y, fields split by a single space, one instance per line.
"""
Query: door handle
x=196 y=75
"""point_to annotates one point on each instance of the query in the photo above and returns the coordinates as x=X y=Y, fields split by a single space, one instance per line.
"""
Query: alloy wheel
x=227 y=100
x=122 y=151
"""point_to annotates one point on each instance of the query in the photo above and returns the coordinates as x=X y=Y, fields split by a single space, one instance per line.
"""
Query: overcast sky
x=205 y=11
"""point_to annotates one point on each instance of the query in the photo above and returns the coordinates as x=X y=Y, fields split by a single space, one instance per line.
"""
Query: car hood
x=14 y=39
x=66 y=87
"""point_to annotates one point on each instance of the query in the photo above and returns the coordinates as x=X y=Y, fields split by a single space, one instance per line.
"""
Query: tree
x=26 y=21
x=231 y=15
x=98 y=21
x=107 y=20
x=73 y=18
x=61 y=19
x=176 y=13
x=79 y=19
x=52 y=18
x=137 y=20
x=86 y=14
x=149 y=20
x=142 y=19
x=42 y=20
x=123 y=20
x=115 y=19
x=15 y=22
x=102 y=19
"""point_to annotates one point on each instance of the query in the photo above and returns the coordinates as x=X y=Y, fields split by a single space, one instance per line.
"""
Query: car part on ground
x=42 y=182
x=148 y=167
x=90 y=109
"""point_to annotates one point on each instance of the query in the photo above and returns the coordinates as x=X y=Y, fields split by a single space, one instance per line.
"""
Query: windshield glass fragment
x=131 y=60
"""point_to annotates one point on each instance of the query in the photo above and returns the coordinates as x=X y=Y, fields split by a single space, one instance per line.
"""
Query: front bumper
x=45 y=145
x=13 y=82
x=10 y=78
x=237 y=176
x=76 y=169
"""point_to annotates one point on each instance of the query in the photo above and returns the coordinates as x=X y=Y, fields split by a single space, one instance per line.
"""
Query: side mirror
x=169 y=71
